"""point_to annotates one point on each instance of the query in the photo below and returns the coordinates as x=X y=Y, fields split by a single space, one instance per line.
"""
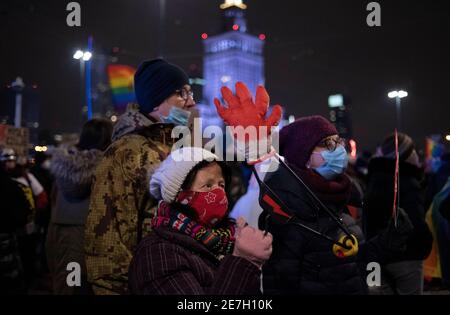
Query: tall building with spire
x=231 y=56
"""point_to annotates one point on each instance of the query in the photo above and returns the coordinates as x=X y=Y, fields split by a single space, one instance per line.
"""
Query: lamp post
x=85 y=57
x=398 y=95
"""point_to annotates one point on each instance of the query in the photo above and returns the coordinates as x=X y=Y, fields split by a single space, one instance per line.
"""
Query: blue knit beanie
x=155 y=81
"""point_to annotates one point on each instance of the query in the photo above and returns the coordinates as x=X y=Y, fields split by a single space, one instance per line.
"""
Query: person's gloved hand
x=395 y=238
x=252 y=244
x=242 y=111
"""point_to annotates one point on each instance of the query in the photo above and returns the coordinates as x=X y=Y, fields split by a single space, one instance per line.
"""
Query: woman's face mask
x=335 y=162
x=210 y=206
x=206 y=195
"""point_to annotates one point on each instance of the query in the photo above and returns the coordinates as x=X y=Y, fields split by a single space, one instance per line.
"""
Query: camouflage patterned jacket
x=119 y=193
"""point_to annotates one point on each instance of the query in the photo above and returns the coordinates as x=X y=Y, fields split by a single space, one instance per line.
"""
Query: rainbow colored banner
x=433 y=147
x=433 y=152
x=122 y=85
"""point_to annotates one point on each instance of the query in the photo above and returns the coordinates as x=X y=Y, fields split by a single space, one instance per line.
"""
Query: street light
x=78 y=54
x=398 y=95
x=84 y=57
x=87 y=55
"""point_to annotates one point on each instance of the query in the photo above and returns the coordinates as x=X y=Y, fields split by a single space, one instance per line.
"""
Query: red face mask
x=210 y=206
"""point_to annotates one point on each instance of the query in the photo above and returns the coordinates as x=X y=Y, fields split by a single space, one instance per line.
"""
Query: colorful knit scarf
x=219 y=241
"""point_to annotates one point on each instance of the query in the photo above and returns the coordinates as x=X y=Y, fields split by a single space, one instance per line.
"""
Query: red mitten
x=242 y=111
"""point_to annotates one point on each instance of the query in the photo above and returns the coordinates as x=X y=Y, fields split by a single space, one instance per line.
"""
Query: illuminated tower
x=234 y=55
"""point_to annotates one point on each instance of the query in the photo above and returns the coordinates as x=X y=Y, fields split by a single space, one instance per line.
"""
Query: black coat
x=15 y=207
x=302 y=263
x=378 y=204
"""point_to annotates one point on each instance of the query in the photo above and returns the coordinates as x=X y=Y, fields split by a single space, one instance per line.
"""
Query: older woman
x=303 y=262
x=194 y=247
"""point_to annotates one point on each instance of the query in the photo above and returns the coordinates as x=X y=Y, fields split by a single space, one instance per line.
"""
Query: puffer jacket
x=73 y=171
x=303 y=263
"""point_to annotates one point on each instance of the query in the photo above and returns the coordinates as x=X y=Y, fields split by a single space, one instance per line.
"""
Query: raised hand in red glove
x=242 y=111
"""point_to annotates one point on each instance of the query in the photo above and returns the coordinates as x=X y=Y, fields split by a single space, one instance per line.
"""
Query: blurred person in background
x=404 y=275
x=16 y=210
x=29 y=239
x=73 y=169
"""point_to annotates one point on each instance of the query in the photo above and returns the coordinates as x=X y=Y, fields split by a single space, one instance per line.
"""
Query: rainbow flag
x=433 y=147
x=433 y=152
x=122 y=85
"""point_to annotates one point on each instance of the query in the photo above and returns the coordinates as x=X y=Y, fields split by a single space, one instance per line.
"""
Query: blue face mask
x=177 y=116
x=335 y=163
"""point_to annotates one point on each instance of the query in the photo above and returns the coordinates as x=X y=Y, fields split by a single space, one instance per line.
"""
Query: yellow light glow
x=231 y=3
x=39 y=148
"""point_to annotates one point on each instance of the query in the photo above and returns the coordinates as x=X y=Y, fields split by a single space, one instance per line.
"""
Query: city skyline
x=312 y=50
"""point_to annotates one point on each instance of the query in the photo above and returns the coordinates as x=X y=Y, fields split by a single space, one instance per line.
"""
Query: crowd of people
x=137 y=220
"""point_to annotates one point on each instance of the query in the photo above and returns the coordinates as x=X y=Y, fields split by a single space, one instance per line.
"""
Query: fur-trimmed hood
x=74 y=170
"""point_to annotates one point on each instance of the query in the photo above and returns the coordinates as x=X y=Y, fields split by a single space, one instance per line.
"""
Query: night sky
x=313 y=49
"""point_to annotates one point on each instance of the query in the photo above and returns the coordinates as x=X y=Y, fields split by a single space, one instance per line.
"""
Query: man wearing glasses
x=120 y=208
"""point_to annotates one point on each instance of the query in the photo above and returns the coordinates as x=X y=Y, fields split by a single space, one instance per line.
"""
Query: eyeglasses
x=185 y=94
x=331 y=143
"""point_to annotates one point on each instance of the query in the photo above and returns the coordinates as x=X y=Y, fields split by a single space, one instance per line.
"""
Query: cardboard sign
x=15 y=138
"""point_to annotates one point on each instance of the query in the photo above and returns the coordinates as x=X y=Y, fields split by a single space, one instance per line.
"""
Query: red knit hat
x=298 y=140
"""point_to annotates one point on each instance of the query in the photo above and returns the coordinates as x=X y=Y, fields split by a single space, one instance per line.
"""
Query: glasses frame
x=331 y=144
x=185 y=94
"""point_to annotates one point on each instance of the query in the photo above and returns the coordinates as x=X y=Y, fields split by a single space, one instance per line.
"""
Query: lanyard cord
x=314 y=197
x=291 y=216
